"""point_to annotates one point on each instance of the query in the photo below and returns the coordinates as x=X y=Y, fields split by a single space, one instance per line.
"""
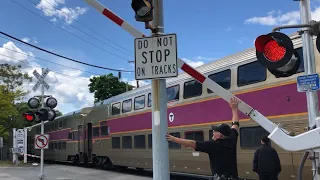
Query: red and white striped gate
x=277 y=134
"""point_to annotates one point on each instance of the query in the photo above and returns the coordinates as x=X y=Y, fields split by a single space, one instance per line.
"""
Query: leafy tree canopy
x=12 y=78
x=58 y=113
x=107 y=86
x=11 y=91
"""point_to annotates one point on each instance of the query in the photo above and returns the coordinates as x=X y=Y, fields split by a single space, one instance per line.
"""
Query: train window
x=222 y=78
x=60 y=124
x=150 y=141
x=192 y=89
x=104 y=130
x=195 y=135
x=139 y=102
x=56 y=125
x=70 y=135
x=126 y=106
x=95 y=131
x=250 y=136
x=173 y=93
x=75 y=135
x=116 y=108
x=251 y=73
x=173 y=145
x=140 y=142
x=116 y=142
x=149 y=99
x=126 y=142
x=64 y=145
x=65 y=123
x=59 y=145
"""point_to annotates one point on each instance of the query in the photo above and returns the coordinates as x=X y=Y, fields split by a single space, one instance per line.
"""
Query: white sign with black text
x=156 y=57
x=20 y=140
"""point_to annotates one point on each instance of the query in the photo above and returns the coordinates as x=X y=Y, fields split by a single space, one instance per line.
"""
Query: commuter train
x=117 y=132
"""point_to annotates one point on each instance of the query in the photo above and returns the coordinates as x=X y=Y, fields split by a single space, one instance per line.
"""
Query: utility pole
x=310 y=68
x=160 y=154
x=42 y=175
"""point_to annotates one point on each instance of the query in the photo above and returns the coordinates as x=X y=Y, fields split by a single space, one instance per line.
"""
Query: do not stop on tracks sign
x=41 y=141
x=156 y=57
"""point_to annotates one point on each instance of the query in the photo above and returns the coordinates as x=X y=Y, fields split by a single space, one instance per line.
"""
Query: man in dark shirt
x=266 y=161
x=222 y=150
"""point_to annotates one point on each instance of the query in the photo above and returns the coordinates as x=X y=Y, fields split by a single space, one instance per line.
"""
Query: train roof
x=85 y=110
x=213 y=66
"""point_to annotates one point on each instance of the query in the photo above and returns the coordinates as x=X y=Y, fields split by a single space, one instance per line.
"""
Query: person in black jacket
x=222 y=150
x=266 y=161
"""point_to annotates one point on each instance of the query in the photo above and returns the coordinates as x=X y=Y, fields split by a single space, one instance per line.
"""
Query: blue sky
x=205 y=31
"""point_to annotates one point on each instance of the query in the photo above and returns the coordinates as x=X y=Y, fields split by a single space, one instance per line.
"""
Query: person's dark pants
x=268 y=176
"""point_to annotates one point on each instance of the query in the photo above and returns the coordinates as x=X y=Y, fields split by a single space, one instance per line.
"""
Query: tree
x=107 y=86
x=12 y=77
x=7 y=110
x=58 y=113
x=11 y=91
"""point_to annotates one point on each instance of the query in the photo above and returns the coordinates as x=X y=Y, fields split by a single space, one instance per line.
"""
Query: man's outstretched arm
x=234 y=108
x=184 y=142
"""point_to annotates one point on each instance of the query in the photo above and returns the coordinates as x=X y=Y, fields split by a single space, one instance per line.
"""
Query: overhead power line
x=45 y=9
x=41 y=67
x=91 y=29
x=50 y=61
x=69 y=32
x=61 y=56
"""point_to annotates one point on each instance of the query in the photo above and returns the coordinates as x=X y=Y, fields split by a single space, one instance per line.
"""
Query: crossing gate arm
x=305 y=141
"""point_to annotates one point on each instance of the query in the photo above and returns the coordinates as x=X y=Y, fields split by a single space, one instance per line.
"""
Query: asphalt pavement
x=69 y=172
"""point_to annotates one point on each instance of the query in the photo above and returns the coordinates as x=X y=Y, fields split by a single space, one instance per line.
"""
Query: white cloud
x=69 y=88
x=229 y=29
x=50 y=8
x=201 y=58
x=277 y=18
x=134 y=82
x=25 y=39
x=193 y=63
x=241 y=40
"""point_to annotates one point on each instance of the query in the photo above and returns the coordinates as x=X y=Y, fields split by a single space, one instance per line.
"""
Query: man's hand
x=234 y=103
x=170 y=138
x=234 y=106
x=184 y=142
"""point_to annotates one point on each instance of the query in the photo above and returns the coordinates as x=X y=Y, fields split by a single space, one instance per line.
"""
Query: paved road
x=63 y=172
x=67 y=172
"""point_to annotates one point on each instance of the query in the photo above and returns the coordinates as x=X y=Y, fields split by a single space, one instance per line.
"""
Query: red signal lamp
x=275 y=51
x=29 y=116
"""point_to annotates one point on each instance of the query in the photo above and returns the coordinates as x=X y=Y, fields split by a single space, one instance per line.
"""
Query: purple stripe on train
x=270 y=102
x=63 y=134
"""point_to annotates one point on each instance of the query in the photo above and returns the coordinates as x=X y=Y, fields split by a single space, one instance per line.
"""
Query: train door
x=80 y=145
x=89 y=142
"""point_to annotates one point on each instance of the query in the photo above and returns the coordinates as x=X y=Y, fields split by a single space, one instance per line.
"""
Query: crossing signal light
x=275 y=51
x=29 y=116
x=42 y=114
x=46 y=115
x=143 y=10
